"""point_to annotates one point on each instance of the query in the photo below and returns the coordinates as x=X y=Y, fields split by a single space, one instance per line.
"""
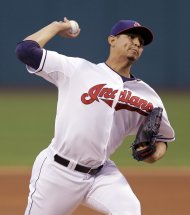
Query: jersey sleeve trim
x=165 y=139
x=32 y=71
x=43 y=61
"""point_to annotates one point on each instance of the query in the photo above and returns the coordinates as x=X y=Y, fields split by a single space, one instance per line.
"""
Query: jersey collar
x=132 y=78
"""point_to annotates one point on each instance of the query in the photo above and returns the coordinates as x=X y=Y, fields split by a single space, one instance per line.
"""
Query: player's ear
x=111 y=40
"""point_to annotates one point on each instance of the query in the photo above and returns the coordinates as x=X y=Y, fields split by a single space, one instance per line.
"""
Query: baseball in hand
x=74 y=27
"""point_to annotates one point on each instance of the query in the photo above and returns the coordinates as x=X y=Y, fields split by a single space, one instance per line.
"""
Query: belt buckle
x=95 y=171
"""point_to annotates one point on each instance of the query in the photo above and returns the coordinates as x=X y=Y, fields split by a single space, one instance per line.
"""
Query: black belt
x=78 y=167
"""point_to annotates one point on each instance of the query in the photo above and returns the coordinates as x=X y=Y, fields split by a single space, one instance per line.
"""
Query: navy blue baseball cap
x=131 y=26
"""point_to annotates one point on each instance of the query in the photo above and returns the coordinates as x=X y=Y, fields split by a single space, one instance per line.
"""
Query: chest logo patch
x=126 y=99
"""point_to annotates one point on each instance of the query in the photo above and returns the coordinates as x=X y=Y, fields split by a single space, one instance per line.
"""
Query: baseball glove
x=144 y=144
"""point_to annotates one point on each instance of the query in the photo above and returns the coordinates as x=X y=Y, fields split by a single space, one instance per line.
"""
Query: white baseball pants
x=59 y=190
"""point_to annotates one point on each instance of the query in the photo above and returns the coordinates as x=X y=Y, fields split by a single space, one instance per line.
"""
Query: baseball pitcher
x=98 y=106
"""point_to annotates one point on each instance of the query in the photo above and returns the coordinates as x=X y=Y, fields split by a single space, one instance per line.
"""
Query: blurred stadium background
x=28 y=103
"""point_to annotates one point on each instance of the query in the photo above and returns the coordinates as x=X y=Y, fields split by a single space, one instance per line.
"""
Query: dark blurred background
x=164 y=64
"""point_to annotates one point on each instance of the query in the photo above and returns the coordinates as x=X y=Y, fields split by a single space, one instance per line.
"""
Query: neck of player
x=123 y=68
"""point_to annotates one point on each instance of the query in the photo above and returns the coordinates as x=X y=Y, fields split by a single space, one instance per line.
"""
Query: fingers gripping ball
x=144 y=144
x=74 y=26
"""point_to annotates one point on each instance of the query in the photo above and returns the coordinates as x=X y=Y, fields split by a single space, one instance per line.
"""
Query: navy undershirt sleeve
x=29 y=52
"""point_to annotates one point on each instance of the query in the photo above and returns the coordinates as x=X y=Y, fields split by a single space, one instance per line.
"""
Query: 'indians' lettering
x=125 y=98
x=98 y=91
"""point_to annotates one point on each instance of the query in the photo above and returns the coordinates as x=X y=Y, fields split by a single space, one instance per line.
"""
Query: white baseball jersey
x=95 y=109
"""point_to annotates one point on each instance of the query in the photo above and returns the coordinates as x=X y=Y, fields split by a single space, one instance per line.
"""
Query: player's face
x=129 y=46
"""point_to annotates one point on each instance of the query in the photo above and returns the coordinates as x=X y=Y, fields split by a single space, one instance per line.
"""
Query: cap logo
x=136 y=24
